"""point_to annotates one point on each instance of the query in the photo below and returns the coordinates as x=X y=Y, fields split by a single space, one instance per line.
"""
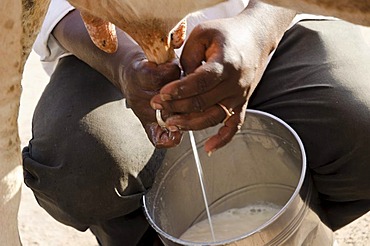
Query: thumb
x=192 y=56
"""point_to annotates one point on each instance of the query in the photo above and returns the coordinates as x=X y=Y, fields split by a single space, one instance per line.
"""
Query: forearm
x=72 y=35
x=269 y=23
x=356 y=11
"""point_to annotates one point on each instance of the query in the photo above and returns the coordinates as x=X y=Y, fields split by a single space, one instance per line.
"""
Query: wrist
x=122 y=66
x=266 y=22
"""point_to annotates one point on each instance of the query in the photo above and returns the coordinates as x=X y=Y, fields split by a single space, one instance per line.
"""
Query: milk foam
x=231 y=223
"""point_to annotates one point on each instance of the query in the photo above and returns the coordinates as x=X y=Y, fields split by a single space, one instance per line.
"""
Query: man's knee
x=89 y=158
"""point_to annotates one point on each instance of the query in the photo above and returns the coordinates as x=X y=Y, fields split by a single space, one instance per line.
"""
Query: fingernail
x=171 y=136
x=156 y=106
x=173 y=128
x=166 y=97
x=211 y=152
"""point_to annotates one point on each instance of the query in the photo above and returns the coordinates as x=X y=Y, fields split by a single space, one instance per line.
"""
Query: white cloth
x=46 y=46
x=50 y=51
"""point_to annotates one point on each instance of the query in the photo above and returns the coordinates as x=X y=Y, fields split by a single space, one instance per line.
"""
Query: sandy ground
x=38 y=228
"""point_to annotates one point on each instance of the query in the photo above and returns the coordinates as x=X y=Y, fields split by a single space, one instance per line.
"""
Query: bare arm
x=72 y=35
x=258 y=30
x=127 y=69
x=356 y=11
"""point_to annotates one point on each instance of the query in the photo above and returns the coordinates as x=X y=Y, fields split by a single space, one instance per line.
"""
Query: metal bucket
x=265 y=162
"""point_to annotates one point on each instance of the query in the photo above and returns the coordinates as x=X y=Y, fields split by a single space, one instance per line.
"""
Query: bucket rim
x=264 y=225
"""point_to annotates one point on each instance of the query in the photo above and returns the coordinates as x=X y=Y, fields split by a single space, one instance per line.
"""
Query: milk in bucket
x=264 y=163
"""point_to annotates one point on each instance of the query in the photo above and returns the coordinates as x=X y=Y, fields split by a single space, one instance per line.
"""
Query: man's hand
x=141 y=81
x=224 y=61
x=128 y=69
x=231 y=69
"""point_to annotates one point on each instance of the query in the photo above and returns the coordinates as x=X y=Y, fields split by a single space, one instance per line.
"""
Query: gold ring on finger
x=228 y=111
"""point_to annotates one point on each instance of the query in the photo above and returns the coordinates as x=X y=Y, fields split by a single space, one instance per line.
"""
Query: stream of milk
x=231 y=223
x=200 y=173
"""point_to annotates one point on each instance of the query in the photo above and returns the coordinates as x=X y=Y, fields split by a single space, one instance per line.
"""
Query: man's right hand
x=140 y=82
x=127 y=69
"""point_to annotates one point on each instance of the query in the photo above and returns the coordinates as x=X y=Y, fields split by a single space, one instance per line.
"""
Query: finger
x=199 y=49
x=193 y=54
x=227 y=131
x=152 y=77
x=102 y=33
x=201 y=120
x=195 y=121
x=223 y=136
x=162 y=138
x=205 y=78
x=198 y=103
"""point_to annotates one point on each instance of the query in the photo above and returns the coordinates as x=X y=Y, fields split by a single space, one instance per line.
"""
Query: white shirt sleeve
x=46 y=46
x=50 y=51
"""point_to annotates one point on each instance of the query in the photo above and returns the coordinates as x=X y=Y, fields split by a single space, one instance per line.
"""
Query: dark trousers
x=89 y=160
